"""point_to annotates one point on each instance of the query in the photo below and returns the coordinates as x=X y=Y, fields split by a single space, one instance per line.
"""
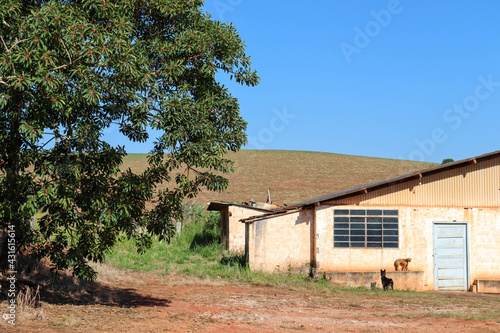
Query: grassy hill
x=295 y=175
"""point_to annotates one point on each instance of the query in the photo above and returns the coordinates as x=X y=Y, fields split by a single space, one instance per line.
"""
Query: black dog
x=386 y=282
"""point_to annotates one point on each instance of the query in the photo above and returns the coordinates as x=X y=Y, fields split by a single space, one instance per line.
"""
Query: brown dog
x=403 y=263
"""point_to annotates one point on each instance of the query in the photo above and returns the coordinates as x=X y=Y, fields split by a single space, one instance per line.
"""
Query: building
x=446 y=219
x=232 y=231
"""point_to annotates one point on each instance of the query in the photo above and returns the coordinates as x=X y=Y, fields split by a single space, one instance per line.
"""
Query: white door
x=450 y=256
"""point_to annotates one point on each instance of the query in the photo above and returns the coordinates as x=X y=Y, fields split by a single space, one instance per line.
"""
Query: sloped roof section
x=375 y=185
x=219 y=205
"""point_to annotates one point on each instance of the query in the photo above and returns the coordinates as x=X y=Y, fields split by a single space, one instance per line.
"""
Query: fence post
x=178 y=228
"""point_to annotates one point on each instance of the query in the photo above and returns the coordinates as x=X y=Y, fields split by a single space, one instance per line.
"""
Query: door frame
x=467 y=249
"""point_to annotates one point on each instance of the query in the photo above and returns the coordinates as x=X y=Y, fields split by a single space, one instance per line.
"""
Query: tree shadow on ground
x=99 y=294
x=64 y=288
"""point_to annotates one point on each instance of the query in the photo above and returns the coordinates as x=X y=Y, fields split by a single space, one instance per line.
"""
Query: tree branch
x=15 y=44
x=60 y=67
x=6 y=48
x=73 y=62
x=6 y=78
x=66 y=49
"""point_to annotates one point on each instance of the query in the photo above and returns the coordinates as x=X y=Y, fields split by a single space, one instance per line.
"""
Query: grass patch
x=197 y=252
x=196 y=247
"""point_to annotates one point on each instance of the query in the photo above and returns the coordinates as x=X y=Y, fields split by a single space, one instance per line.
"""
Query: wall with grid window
x=360 y=239
x=369 y=238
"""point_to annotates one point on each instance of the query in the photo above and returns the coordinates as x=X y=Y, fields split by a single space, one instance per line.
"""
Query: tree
x=448 y=160
x=69 y=69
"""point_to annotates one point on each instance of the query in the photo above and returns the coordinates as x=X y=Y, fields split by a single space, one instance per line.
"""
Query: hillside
x=296 y=175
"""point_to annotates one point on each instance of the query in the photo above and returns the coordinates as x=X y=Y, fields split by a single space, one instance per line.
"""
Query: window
x=365 y=228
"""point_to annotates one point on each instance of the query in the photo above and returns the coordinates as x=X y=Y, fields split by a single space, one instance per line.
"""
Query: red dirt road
x=150 y=303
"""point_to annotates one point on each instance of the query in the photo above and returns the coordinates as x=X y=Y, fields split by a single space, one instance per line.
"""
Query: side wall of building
x=281 y=243
x=236 y=234
x=485 y=244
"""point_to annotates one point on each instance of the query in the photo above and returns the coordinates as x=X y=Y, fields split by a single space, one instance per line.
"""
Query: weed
x=28 y=304
x=28 y=299
x=234 y=259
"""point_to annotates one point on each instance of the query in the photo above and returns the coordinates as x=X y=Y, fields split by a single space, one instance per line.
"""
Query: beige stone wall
x=236 y=239
x=281 y=243
x=485 y=244
x=487 y=286
x=412 y=280
x=416 y=242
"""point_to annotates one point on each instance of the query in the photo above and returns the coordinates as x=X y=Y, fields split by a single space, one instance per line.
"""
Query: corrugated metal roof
x=470 y=185
x=380 y=184
x=219 y=205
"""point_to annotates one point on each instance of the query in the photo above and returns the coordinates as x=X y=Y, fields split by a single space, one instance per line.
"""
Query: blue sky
x=402 y=79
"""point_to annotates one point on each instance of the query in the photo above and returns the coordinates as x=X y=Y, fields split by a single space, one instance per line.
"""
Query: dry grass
x=27 y=307
x=28 y=304
x=295 y=175
x=110 y=275
x=29 y=299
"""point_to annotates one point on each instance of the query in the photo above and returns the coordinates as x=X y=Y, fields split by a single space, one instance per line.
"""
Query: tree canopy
x=70 y=69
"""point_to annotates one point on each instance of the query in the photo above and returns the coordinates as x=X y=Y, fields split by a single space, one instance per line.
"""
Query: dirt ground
x=140 y=302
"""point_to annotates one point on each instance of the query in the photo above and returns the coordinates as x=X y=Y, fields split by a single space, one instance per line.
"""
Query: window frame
x=365 y=228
